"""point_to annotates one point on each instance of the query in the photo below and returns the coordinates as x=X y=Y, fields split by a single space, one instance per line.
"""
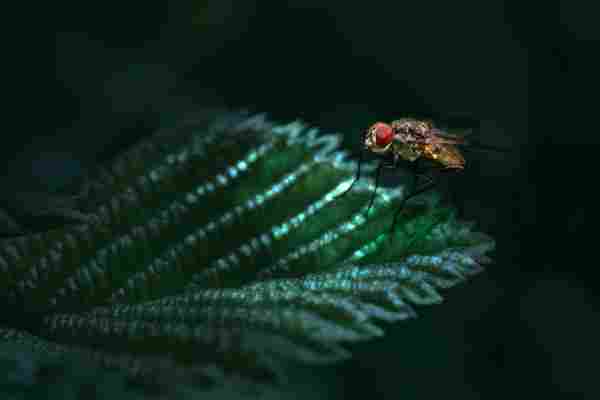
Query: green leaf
x=222 y=247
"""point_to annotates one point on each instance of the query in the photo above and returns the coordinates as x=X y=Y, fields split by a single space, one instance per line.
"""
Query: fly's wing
x=469 y=143
x=441 y=137
x=466 y=133
x=450 y=156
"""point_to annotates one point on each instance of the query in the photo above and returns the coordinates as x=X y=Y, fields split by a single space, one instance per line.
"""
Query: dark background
x=529 y=325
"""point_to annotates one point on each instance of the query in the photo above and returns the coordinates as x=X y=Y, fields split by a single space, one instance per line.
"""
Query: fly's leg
x=377 y=175
x=360 y=160
x=417 y=190
x=382 y=164
x=430 y=184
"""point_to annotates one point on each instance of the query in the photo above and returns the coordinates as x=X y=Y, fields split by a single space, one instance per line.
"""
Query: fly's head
x=379 y=137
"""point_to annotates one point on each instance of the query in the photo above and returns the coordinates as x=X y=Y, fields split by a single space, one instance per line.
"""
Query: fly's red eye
x=383 y=134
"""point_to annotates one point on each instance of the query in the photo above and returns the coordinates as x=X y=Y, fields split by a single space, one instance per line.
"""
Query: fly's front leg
x=356 y=178
x=360 y=161
x=382 y=164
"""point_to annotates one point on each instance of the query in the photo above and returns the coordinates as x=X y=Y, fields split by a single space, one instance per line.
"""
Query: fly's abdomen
x=447 y=155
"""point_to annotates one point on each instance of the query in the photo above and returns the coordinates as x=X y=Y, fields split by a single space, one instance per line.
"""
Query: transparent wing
x=442 y=137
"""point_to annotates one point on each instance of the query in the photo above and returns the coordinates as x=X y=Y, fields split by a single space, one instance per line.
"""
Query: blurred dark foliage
x=525 y=328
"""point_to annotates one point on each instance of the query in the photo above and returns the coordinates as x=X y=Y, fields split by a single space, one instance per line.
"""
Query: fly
x=410 y=139
x=413 y=142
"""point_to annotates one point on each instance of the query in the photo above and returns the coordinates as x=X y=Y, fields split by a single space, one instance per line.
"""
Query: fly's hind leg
x=417 y=189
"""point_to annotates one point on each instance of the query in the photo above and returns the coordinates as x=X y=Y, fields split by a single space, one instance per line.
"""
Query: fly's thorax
x=409 y=130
